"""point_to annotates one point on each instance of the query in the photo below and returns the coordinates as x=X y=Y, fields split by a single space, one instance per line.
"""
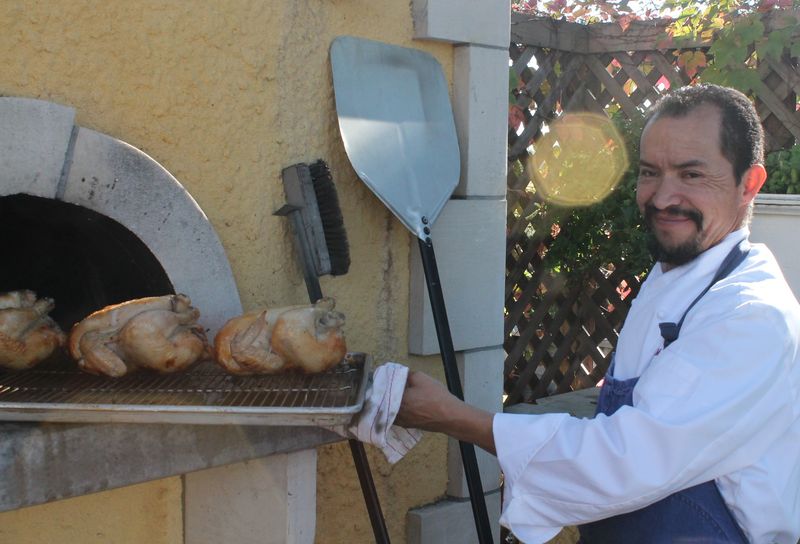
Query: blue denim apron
x=694 y=515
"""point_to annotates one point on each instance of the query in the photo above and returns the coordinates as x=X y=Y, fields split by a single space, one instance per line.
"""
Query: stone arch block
x=34 y=140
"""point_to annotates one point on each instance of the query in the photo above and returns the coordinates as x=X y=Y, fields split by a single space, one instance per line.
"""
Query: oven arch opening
x=46 y=155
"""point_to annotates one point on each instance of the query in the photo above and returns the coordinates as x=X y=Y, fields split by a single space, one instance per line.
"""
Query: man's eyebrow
x=691 y=163
x=685 y=164
x=647 y=164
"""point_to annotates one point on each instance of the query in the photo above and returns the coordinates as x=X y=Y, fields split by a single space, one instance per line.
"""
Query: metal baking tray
x=203 y=395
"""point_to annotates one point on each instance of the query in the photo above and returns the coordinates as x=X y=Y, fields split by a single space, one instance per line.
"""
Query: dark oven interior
x=76 y=256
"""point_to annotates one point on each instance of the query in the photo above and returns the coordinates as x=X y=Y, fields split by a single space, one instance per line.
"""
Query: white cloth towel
x=374 y=423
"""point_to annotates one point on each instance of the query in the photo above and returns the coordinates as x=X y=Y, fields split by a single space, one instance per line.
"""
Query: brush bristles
x=332 y=220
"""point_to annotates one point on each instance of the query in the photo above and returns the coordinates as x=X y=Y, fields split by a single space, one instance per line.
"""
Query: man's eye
x=691 y=175
x=646 y=173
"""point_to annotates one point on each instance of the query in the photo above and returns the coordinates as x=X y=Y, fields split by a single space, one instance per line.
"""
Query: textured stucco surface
x=131 y=515
x=225 y=94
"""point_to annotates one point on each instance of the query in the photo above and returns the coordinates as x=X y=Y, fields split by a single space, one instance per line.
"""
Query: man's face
x=686 y=189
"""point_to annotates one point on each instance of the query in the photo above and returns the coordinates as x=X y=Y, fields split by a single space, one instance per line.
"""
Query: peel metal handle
x=468 y=457
x=376 y=519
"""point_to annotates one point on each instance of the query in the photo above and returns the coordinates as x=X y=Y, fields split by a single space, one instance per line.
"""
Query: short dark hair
x=741 y=134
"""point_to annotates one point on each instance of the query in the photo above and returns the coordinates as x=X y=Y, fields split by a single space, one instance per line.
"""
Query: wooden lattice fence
x=559 y=337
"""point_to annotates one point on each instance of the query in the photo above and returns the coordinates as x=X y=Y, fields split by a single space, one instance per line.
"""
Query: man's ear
x=752 y=181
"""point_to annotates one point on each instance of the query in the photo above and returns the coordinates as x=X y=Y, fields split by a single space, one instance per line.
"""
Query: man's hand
x=428 y=405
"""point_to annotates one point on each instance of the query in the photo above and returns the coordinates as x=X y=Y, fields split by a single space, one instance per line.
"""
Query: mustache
x=695 y=216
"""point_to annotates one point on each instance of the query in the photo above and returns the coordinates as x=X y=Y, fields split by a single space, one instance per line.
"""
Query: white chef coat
x=720 y=403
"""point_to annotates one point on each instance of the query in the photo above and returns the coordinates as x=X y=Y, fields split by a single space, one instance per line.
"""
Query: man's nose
x=666 y=193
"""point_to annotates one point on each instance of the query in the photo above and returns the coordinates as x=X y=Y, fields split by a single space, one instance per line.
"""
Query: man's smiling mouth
x=672 y=215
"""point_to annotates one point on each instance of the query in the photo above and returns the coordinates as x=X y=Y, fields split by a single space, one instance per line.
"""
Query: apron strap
x=670 y=331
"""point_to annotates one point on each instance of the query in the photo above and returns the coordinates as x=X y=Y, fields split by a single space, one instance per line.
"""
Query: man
x=697 y=437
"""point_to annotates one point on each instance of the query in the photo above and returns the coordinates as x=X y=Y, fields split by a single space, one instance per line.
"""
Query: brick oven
x=91 y=221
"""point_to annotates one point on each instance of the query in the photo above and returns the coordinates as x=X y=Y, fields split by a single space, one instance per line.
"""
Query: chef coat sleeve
x=708 y=405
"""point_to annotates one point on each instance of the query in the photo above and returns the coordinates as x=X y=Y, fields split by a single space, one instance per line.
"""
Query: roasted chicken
x=305 y=338
x=159 y=333
x=28 y=335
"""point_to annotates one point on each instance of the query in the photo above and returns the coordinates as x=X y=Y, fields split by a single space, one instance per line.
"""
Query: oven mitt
x=373 y=424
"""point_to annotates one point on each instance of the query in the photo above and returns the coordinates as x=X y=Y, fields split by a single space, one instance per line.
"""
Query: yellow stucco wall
x=132 y=515
x=225 y=94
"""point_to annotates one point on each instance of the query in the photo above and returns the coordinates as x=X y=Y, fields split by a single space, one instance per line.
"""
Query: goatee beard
x=678 y=255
